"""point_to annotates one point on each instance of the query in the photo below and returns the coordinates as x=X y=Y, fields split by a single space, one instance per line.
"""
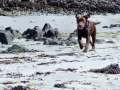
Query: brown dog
x=86 y=29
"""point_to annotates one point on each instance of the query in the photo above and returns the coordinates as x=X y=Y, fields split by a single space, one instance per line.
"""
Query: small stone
x=59 y=85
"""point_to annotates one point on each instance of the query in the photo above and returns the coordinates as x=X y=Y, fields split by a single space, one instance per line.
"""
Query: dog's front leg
x=80 y=43
x=87 y=43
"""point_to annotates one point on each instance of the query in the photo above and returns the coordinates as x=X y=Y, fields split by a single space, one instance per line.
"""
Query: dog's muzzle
x=81 y=25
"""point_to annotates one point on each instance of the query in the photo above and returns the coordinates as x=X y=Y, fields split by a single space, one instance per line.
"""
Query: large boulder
x=49 y=31
x=47 y=27
x=30 y=34
x=6 y=37
x=16 y=49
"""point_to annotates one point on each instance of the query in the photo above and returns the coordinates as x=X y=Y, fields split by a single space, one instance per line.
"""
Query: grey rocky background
x=61 y=6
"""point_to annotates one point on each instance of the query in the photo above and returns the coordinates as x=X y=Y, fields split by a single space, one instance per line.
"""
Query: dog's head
x=80 y=22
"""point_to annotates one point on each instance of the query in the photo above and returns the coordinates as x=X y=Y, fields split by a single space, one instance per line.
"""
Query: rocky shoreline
x=62 y=7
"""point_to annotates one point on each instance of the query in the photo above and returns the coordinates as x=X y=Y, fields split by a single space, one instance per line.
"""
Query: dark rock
x=111 y=42
x=7 y=83
x=16 y=49
x=24 y=82
x=47 y=63
x=49 y=31
x=47 y=27
x=105 y=27
x=8 y=35
x=19 y=88
x=41 y=34
x=110 y=69
x=49 y=34
x=30 y=34
x=39 y=73
x=48 y=73
x=59 y=86
x=67 y=70
x=15 y=33
x=3 y=38
x=44 y=55
x=9 y=29
x=45 y=73
x=53 y=2
x=114 y=25
x=57 y=2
